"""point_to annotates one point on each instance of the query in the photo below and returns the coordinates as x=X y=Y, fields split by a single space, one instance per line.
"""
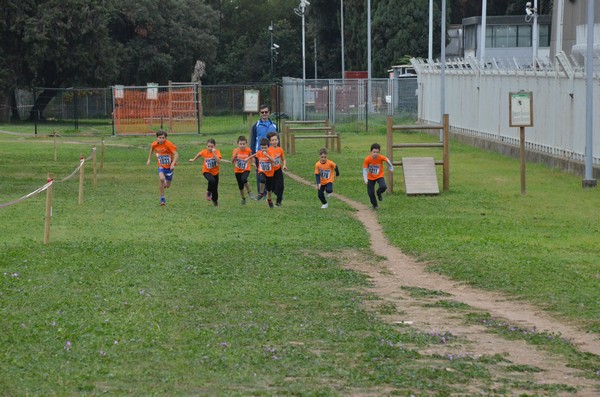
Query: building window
x=503 y=36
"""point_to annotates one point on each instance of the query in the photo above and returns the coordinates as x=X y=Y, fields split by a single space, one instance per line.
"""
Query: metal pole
x=303 y=8
x=535 y=35
x=271 y=31
x=589 y=102
x=369 y=103
x=315 y=60
x=483 y=30
x=443 y=68
x=342 y=29
x=430 y=56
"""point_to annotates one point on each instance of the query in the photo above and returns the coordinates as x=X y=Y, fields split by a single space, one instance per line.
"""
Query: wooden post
x=390 y=152
x=48 y=211
x=102 y=155
x=54 y=144
x=94 y=166
x=293 y=142
x=446 y=155
x=81 y=168
x=339 y=143
x=522 y=155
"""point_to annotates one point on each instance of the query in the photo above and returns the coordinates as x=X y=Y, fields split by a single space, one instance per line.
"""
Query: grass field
x=130 y=298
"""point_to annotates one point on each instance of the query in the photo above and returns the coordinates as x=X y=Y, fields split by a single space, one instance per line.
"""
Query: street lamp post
x=300 y=11
x=272 y=48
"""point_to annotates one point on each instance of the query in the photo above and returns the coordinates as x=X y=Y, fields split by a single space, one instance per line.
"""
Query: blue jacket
x=260 y=129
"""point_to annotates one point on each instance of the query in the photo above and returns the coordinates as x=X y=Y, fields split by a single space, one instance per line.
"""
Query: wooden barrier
x=284 y=137
x=335 y=137
x=445 y=162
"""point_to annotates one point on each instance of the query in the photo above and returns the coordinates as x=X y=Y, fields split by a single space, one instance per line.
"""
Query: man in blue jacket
x=260 y=130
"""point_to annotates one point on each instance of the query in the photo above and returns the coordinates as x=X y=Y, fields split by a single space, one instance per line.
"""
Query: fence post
x=81 y=168
x=293 y=142
x=446 y=172
x=390 y=151
x=94 y=165
x=48 y=211
x=102 y=155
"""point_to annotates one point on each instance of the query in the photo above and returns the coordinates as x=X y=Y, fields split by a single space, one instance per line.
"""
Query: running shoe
x=251 y=196
x=325 y=206
x=163 y=202
x=379 y=196
x=270 y=203
x=243 y=201
x=208 y=196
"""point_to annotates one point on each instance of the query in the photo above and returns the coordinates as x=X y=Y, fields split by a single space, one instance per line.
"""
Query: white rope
x=35 y=192
x=81 y=162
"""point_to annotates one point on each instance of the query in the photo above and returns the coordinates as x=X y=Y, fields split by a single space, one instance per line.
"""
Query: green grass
x=131 y=298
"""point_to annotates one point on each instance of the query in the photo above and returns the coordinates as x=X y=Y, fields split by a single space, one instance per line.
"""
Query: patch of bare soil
x=395 y=275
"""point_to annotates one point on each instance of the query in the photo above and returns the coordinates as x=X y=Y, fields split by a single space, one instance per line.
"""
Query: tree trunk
x=4 y=108
x=42 y=100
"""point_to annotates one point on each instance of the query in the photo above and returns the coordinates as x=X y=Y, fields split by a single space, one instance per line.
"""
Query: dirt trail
x=399 y=270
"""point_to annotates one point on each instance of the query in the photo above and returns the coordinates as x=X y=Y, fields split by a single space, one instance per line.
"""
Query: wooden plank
x=315 y=136
x=420 y=176
x=417 y=127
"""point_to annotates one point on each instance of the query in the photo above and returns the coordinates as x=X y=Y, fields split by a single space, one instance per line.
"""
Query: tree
x=56 y=43
x=162 y=40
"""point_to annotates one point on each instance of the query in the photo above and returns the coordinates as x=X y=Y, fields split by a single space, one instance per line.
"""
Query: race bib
x=164 y=160
x=325 y=174
x=374 y=169
x=277 y=161
x=265 y=166
x=211 y=163
x=242 y=164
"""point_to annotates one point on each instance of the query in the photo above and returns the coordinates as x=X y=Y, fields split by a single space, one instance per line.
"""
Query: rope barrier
x=50 y=181
x=34 y=193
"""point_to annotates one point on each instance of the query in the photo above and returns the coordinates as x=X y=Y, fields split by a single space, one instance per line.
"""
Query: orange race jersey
x=374 y=166
x=164 y=152
x=278 y=154
x=209 y=164
x=265 y=166
x=241 y=164
x=325 y=171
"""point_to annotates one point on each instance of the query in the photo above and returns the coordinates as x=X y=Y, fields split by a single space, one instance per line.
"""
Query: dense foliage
x=50 y=43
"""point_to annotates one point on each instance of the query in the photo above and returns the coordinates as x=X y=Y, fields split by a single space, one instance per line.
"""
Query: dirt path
x=396 y=274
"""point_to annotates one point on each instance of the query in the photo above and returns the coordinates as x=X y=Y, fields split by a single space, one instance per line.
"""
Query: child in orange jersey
x=166 y=154
x=324 y=175
x=373 y=173
x=265 y=170
x=241 y=166
x=279 y=165
x=210 y=169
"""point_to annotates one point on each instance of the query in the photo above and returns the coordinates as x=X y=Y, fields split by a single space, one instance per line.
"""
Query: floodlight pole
x=342 y=34
x=271 y=31
x=589 y=180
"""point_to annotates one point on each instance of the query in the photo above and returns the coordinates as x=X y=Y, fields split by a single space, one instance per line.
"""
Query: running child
x=210 y=169
x=167 y=156
x=265 y=170
x=241 y=166
x=279 y=166
x=324 y=175
x=373 y=173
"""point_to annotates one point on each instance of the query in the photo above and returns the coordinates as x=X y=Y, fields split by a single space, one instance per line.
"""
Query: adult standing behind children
x=260 y=129
x=210 y=169
x=373 y=173
x=167 y=156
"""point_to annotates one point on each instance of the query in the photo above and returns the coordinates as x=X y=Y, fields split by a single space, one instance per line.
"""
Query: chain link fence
x=350 y=104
